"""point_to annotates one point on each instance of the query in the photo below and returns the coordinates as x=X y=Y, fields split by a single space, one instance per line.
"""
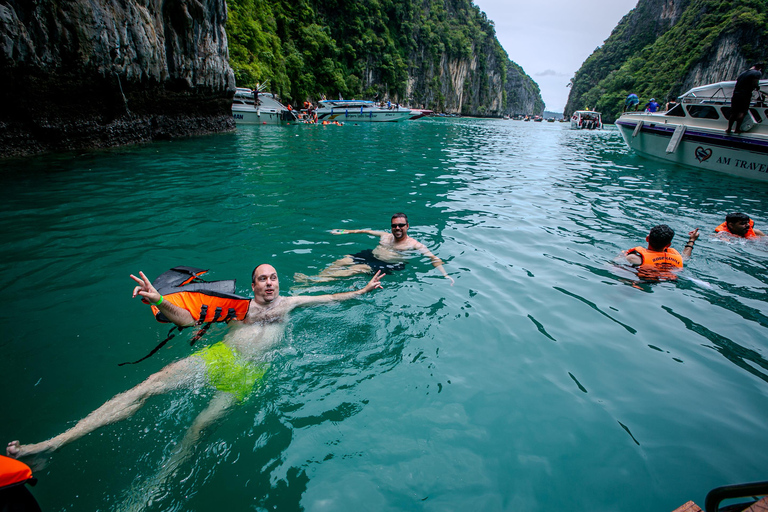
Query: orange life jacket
x=657 y=266
x=207 y=302
x=663 y=260
x=13 y=472
x=723 y=228
x=213 y=301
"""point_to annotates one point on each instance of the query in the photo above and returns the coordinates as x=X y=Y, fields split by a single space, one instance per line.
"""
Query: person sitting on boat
x=387 y=257
x=670 y=104
x=631 y=102
x=739 y=224
x=747 y=82
x=651 y=106
x=233 y=366
x=659 y=258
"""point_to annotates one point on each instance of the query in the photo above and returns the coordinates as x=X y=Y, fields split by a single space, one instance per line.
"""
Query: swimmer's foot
x=301 y=278
x=16 y=450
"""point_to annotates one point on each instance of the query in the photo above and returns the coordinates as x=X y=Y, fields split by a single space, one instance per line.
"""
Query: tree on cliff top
x=306 y=48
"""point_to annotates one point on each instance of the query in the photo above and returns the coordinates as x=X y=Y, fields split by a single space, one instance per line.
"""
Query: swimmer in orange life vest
x=232 y=367
x=739 y=224
x=659 y=256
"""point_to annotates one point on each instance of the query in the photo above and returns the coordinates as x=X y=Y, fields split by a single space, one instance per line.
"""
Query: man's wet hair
x=253 y=274
x=660 y=236
x=398 y=215
x=759 y=65
x=736 y=217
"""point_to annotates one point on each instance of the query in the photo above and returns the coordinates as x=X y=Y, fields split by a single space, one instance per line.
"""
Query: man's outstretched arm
x=148 y=293
x=308 y=300
x=692 y=237
x=365 y=231
x=436 y=262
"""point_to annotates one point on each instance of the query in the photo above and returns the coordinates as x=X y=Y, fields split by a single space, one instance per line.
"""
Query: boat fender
x=638 y=127
x=677 y=136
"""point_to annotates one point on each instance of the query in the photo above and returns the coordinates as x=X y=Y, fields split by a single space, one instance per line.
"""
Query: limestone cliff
x=81 y=74
x=437 y=54
x=662 y=48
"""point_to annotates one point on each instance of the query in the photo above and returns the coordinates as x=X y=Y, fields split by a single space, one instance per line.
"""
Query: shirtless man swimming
x=387 y=257
x=231 y=366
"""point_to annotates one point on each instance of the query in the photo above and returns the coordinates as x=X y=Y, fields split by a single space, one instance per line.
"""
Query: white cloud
x=547 y=35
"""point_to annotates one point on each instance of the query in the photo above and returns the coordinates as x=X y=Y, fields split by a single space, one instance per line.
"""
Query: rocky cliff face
x=662 y=48
x=437 y=54
x=95 y=73
x=474 y=85
x=523 y=94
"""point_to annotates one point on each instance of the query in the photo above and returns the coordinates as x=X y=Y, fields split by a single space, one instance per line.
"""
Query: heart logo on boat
x=703 y=154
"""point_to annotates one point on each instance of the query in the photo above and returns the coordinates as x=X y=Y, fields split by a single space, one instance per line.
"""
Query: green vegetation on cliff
x=657 y=53
x=365 y=48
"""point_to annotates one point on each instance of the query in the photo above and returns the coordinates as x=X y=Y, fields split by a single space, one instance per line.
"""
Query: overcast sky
x=550 y=39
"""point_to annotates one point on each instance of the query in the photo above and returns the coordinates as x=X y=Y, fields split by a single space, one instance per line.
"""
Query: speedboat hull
x=369 y=116
x=360 y=111
x=267 y=110
x=700 y=148
x=693 y=133
x=250 y=115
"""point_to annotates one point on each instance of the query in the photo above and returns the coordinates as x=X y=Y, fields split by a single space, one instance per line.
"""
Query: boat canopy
x=346 y=103
x=719 y=92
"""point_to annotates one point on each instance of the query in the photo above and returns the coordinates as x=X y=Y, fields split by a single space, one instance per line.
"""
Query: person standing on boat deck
x=651 y=106
x=231 y=367
x=747 y=82
x=386 y=257
x=739 y=224
x=659 y=255
x=632 y=101
x=670 y=105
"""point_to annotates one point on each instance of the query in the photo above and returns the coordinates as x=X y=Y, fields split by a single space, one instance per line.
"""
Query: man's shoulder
x=413 y=244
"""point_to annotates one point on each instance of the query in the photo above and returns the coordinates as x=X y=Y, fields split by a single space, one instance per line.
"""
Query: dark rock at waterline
x=79 y=74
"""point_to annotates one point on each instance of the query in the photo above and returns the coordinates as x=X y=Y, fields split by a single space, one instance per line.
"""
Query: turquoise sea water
x=547 y=377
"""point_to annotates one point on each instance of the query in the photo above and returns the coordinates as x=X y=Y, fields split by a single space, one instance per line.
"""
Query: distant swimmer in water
x=656 y=261
x=740 y=225
x=233 y=367
x=387 y=257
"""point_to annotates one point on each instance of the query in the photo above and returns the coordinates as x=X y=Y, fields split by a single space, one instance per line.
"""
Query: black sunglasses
x=399 y=225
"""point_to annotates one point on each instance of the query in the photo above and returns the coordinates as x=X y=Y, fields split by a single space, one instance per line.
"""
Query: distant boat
x=360 y=111
x=693 y=134
x=417 y=113
x=538 y=119
x=268 y=111
x=586 y=120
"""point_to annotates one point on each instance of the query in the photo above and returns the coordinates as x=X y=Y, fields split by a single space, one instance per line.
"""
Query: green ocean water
x=548 y=377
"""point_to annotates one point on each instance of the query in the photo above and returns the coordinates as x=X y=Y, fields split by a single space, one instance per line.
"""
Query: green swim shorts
x=229 y=372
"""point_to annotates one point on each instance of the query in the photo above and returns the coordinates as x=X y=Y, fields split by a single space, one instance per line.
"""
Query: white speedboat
x=359 y=111
x=693 y=133
x=267 y=110
x=586 y=120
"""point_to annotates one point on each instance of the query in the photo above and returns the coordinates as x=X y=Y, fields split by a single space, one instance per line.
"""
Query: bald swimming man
x=232 y=366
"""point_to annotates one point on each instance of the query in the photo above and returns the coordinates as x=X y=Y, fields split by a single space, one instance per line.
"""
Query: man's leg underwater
x=119 y=407
x=344 y=267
